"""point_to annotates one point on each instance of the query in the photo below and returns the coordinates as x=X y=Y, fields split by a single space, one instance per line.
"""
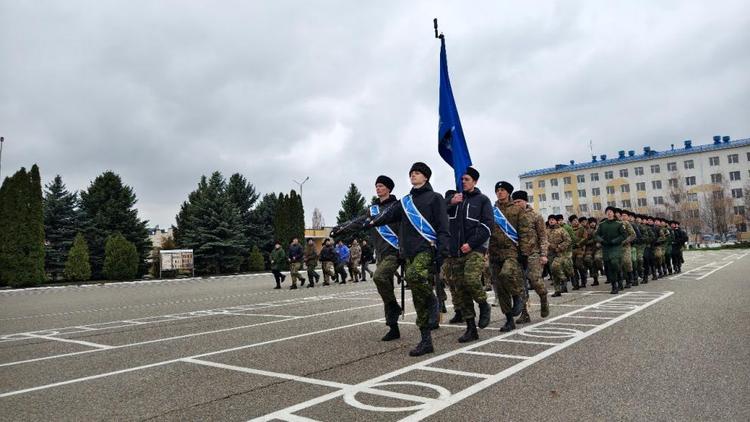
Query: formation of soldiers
x=456 y=238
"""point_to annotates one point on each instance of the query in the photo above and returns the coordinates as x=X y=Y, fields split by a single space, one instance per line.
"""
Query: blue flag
x=451 y=142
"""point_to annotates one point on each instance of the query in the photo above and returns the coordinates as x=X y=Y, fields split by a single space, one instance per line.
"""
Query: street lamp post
x=2 y=139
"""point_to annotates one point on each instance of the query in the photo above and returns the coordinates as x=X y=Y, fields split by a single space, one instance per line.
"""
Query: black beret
x=422 y=168
x=520 y=194
x=559 y=217
x=610 y=208
x=551 y=217
x=386 y=181
x=505 y=185
x=472 y=172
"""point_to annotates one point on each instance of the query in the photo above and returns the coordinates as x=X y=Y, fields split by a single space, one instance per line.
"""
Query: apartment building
x=645 y=182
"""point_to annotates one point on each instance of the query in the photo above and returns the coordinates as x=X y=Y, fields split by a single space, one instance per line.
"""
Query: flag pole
x=441 y=36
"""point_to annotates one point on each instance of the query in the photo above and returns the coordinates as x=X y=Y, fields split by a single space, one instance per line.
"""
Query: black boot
x=517 y=305
x=457 y=317
x=433 y=318
x=471 y=332
x=425 y=345
x=442 y=308
x=596 y=281
x=485 y=312
x=510 y=325
x=392 y=312
x=634 y=278
x=524 y=318
x=392 y=334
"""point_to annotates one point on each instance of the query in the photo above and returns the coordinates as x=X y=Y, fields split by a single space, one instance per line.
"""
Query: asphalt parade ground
x=233 y=349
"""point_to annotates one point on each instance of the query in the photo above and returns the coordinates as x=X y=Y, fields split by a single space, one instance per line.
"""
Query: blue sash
x=384 y=231
x=421 y=225
x=505 y=225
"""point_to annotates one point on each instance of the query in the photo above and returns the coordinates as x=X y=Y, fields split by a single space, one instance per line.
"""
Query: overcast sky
x=162 y=92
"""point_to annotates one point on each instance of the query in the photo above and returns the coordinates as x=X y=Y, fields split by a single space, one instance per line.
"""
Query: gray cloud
x=163 y=92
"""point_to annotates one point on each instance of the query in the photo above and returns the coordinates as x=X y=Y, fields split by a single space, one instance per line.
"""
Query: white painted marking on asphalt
x=590 y=317
x=496 y=355
x=573 y=324
x=713 y=271
x=453 y=372
x=65 y=340
x=543 y=343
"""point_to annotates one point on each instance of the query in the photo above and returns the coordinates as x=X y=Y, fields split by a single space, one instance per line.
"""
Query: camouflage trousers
x=557 y=269
x=354 y=268
x=659 y=255
x=639 y=252
x=463 y=275
x=627 y=262
x=419 y=273
x=328 y=271
x=383 y=278
x=294 y=268
x=507 y=276
x=534 y=268
x=668 y=255
x=568 y=265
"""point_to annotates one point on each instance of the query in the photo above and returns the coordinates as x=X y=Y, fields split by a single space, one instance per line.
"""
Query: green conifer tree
x=120 y=258
x=61 y=223
x=257 y=262
x=77 y=267
x=352 y=206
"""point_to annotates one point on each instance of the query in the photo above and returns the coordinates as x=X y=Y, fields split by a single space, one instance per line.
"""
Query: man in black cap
x=423 y=233
x=506 y=271
x=533 y=246
x=386 y=241
x=611 y=234
x=470 y=219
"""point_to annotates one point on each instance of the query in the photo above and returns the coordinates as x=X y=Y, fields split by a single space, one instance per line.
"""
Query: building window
x=656 y=184
x=693 y=213
x=568 y=194
x=566 y=180
x=596 y=192
x=540 y=184
x=640 y=186
x=713 y=161
x=542 y=197
x=625 y=188
x=626 y=203
x=595 y=176
x=739 y=210
x=609 y=175
x=553 y=182
x=581 y=178
x=655 y=168
x=597 y=206
x=584 y=207
x=531 y=198
x=672 y=183
x=642 y=202
x=581 y=193
x=529 y=185
x=689 y=164
x=569 y=209
x=623 y=172
x=555 y=196
x=671 y=166
x=716 y=178
x=734 y=175
x=611 y=204
x=692 y=197
x=736 y=193
x=610 y=190
x=690 y=181
x=639 y=171
x=718 y=194
x=733 y=158
x=658 y=200
x=555 y=210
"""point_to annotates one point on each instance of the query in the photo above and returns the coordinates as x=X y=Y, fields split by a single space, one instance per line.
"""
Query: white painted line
x=711 y=272
x=729 y=257
x=589 y=317
x=497 y=355
x=454 y=372
x=510 y=340
x=82 y=343
x=573 y=325
x=689 y=271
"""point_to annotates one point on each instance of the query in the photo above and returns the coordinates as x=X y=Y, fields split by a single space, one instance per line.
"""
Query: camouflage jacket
x=311 y=256
x=580 y=240
x=589 y=242
x=355 y=253
x=630 y=231
x=647 y=235
x=501 y=247
x=559 y=241
x=533 y=241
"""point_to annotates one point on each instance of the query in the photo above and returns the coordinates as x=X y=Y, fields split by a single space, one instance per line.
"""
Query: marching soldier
x=311 y=262
x=559 y=242
x=611 y=234
x=533 y=246
x=504 y=266
x=295 y=263
x=423 y=234
x=593 y=257
x=579 y=251
x=356 y=257
x=328 y=262
x=626 y=267
x=470 y=220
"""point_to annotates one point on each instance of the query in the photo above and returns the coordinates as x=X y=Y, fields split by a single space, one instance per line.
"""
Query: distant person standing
x=366 y=259
x=296 y=255
x=342 y=252
x=278 y=260
x=355 y=253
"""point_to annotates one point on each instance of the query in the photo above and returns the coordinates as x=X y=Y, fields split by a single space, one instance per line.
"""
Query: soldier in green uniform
x=471 y=219
x=661 y=239
x=626 y=267
x=611 y=233
x=640 y=248
x=507 y=274
x=567 y=262
x=559 y=242
x=593 y=257
x=533 y=246
x=668 y=247
x=423 y=233
x=579 y=252
x=278 y=262
x=311 y=262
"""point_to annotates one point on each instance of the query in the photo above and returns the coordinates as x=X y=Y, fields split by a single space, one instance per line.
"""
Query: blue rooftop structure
x=648 y=154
